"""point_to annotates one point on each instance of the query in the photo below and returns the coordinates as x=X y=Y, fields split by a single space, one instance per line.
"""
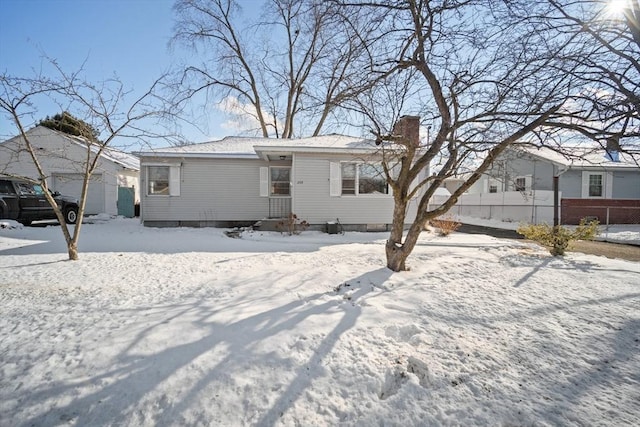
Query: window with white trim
x=158 y=180
x=363 y=178
x=163 y=180
x=595 y=185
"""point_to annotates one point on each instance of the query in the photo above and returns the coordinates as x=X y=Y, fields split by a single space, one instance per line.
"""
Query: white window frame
x=335 y=186
x=595 y=185
x=607 y=184
x=175 y=171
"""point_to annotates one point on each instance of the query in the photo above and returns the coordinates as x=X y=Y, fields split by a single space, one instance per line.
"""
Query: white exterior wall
x=228 y=189
x=127 y=178
x=210 y=190
x=312 y=200
x=57 y=155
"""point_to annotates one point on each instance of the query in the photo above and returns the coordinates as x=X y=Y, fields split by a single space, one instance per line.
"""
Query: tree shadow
x=618 y=369
x=136 y=375
x=533 y=271
x=135 y=238
x=32 y=264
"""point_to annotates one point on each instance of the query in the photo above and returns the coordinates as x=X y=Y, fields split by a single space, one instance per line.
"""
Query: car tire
x=71 y=215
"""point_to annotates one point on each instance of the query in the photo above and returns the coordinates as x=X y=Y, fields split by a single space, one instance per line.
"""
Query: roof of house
x=248 y=147
x=583 y=157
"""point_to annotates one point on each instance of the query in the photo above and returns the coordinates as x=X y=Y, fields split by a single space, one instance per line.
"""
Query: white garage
x=63 y=159
x=70 y=184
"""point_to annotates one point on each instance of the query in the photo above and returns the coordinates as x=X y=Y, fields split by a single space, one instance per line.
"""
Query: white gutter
x=209 y=155
x=294 y=149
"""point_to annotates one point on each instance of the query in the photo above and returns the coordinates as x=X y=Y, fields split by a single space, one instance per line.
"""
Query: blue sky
x=128 y=38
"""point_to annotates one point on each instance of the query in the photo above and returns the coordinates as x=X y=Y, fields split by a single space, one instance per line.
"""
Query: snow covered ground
x=617 y=233
x=190 y=327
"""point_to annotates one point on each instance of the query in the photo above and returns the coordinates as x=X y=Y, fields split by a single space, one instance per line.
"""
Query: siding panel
x=626 y=184
x=313 y=202
x=210 y=190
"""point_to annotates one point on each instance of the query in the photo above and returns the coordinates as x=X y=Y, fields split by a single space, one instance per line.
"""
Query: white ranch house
x=239 y=181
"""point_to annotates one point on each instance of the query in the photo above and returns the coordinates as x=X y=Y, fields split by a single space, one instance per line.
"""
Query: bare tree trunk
x=398 y=252
x=394 y=246
x=72 y=250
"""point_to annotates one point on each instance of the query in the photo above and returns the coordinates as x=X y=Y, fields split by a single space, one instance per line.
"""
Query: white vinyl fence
x=535 y=207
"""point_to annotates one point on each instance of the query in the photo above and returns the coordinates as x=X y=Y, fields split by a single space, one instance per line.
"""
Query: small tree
x=103 y=107
x=65 y=122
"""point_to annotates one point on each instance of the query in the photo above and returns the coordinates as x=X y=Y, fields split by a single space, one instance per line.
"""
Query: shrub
x=292 y=225
x=558 y=239
x=445 y=225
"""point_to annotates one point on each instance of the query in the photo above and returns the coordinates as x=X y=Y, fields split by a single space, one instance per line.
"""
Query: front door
x=280 y=192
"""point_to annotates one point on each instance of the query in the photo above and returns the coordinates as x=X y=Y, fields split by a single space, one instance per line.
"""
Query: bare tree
x=290 y=70
x=484 y=79
x=603 y=55
x=101 y=105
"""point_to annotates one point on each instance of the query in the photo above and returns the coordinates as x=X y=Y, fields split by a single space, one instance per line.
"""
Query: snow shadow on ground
x=128 y=235
x=112 y=393
x=567 y=389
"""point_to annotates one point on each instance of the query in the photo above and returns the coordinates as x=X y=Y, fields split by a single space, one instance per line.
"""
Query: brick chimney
x=613 y=149
x=408 y=127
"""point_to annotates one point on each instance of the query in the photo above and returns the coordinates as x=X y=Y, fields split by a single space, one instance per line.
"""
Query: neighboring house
x=63 y=158
x=592 y=182
x=238 y=181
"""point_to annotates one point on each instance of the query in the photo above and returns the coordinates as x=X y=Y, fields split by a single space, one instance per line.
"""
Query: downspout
x=556 y=194
x=293 y=184
x=533 y=193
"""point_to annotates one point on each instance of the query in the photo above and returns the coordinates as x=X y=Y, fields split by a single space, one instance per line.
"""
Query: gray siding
x=626 y=184
x=522 y=164
x=570 y=184
x=228 y=190
x=210 y=190
x=313 y=203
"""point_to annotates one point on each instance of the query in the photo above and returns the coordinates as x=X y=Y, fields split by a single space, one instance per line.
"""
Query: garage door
x=70 y=184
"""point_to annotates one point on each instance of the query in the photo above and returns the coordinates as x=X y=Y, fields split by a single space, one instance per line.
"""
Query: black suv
x=25 y=202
